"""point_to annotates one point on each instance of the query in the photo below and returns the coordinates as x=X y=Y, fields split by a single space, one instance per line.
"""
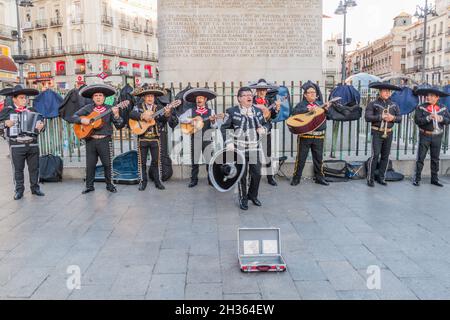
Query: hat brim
x=10 y=92
x=191 y=95
x=89 y=91
x=426 y=91
x=384 y=86
x=155 y=92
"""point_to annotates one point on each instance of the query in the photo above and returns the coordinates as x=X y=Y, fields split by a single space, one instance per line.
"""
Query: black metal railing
x=351 y=140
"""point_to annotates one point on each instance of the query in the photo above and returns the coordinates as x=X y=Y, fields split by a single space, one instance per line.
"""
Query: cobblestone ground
x=182 y=243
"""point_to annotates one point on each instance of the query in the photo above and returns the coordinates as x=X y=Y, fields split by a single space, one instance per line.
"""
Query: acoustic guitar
x=139 y=127
x=307 y=122
x=198 y=124
x=83 y=131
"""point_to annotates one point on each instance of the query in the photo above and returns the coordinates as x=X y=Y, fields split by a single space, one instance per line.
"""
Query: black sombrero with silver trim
x=262 y=84
x=425 y=90
x=191 y=95
x=18 y=90
x=384 y=86
x=153 y=89
x=92 y=89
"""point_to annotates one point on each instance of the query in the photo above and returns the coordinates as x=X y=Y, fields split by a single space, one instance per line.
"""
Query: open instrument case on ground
x=259 y=250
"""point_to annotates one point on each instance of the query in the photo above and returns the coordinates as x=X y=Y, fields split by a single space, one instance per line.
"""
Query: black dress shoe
x=322 y=181
x=437 y=183
x=87 y=190
x=243 y=204
x=370 y=183
x=295 y=181
x=416 y=182
x=193 y=183
x=256 y=202
x=382 y=182
x=142 y=185
x=18 y=195
x=159 y=185
x=38 y=193
x=271 y=181
x=111 y=188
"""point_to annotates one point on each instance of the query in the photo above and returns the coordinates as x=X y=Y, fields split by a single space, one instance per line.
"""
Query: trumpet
x=436 y=129
x=385 y=123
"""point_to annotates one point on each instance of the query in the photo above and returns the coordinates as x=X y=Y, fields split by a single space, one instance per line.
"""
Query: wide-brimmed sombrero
x=18 y=90
x=191 y=95
x=425 y=90
x=262 y=84
x=89 y=91
x=384 y=85
x=153 y=89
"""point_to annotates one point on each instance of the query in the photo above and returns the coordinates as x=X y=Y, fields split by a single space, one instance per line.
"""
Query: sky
x=368 y=21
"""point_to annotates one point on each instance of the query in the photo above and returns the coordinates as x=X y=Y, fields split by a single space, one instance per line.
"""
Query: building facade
x=384 y=57
x=332 y=62
x=437 y=50
x=70 y=41
x=8 y=43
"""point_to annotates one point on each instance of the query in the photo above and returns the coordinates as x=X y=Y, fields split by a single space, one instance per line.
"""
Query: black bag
x=50 y=168
x=356 y=170
x=339 y=112
x=391 y=174
x=335 y=170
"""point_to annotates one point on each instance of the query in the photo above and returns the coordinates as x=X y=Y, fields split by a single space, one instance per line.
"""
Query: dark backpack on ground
x=50 y=168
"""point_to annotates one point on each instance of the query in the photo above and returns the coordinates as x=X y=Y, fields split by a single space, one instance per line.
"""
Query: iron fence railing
x=344 y=140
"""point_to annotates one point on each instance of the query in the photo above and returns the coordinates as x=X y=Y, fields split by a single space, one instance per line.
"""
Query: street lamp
x=422 y=13
x=342 y=10
x=20 y=58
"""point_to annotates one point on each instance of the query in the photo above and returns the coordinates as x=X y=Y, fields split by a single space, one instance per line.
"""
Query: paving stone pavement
x=181 y=243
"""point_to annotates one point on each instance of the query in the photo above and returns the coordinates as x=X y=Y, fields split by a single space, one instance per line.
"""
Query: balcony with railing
x=76 y=49
x=107 y=49
x=78 y=19
x=148 y=31
x=136 y=28
x=107 y=20
x=27 y=26
x=58 y=51
x=56 y=22
x=418 y=51
x=124 y=24
x=41 y=24
x=6 y=32
x=42 y=53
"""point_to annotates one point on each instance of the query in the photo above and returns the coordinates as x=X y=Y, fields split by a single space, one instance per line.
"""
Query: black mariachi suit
x=199 y=143
x=267 y=147
x=380 y=146
x=427 y=140
x=96 y=148
x=150 y=141
x=313 y=141
x=22 y=148
x=239 y=122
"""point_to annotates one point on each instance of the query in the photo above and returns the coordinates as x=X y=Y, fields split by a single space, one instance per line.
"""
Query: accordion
x=25 y=124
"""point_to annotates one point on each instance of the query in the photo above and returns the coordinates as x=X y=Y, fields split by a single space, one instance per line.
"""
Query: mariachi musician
x=99 y=144
x=23 y=146
x=382 y=113
x=200 y=120
x=247 y=125
x=431 y=117
x=260 y=101
x=150 y=140
x=312 y=140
